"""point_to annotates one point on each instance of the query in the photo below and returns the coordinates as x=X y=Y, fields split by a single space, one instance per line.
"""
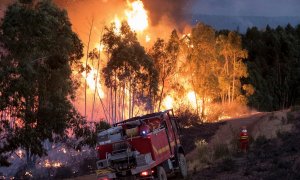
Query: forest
x=204 y=70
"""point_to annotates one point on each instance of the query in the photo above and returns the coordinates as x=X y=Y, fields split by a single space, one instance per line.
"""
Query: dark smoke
x=175 y=10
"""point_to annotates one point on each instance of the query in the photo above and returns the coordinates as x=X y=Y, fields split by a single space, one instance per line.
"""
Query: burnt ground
x=276 y=158
x=196 y=132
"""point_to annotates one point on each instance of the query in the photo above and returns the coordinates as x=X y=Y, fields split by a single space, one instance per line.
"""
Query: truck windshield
x=103 y=139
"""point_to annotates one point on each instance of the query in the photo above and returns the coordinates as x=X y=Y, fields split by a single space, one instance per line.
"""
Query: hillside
x=274 y=152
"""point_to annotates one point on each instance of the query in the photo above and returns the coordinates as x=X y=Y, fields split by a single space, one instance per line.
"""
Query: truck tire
x=161 y=173
x=182 y=165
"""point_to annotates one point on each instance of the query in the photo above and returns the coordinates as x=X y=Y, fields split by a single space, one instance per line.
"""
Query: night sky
x=222 y=7
x=246 y=7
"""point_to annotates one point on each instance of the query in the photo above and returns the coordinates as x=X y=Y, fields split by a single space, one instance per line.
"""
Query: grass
x=290 y=117
x=221 y=151
x=295 y=108
x=63 y=172
x=228 y=164
x=204 y=152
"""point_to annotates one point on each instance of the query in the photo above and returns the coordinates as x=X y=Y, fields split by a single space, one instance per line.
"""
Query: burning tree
x=165 y=56
x=35 y=75
x=201 y=64
x=129 y=73
x=210 y=68
x=231 y=54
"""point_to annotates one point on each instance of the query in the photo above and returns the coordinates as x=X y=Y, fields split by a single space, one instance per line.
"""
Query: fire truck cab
x=144 y=147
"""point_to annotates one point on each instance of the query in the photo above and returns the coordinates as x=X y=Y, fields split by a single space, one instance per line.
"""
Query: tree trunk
x=87 y=57
x=233 y=79
x=132 y=105
x=203 y=109
x=161 y=94
x=129 y=100
x=197 y=106
x=104 y=109
x=123 y=101
x=96 y=81
x=111 y=105
x=115 y=102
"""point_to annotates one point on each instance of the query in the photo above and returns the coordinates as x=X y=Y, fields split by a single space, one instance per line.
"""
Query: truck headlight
x=144 y=130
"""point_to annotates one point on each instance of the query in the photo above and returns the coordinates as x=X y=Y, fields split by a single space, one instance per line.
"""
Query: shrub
x=290 y=117
x=283 y=135
x=102 y=125
x=63 y=172
x=204 y=152
x=228 y=164
x=221 y=150
x=187 y=118
x=295 y=108
x=260 y=141
x=88 y=166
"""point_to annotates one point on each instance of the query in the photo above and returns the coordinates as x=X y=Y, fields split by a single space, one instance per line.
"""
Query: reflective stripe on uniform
x=244 y=137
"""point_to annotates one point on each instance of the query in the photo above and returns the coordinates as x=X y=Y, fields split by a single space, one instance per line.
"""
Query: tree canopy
x=129 y=72
x=274 y=66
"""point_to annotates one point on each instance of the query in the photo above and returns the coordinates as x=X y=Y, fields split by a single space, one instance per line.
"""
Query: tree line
x=274 y=66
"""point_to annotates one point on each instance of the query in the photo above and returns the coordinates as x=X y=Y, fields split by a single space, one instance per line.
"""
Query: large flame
x=137 y=16
x=118 y=24
x=168 y=102
x=191 y=96
x=148 y=38
x=91 y=81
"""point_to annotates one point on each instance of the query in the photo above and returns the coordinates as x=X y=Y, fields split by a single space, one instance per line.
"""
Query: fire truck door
x=170 y=133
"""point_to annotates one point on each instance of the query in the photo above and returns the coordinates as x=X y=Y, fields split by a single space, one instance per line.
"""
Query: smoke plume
x=175 y=10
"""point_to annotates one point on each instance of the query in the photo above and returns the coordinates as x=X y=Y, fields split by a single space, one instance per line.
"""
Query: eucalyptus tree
x=129 y=72
x=38 y=49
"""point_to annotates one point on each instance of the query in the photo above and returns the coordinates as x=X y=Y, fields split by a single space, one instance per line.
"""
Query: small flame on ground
x=28 y=173
x=64 y=150
x=224 y=117
x=20 y=153
x=48 y=164
x=57 y=164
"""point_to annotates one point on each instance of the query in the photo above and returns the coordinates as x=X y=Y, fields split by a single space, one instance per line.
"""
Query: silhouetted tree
x=38 y=50
x=129 y=72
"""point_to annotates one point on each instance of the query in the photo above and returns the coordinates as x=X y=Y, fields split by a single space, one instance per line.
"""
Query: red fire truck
x=144 y=147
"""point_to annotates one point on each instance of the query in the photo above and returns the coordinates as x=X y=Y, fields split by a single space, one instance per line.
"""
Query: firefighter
x=244 y=139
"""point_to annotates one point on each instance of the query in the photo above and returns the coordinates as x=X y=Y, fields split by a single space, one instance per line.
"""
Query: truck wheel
x=182 y=165
x=161 y=173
